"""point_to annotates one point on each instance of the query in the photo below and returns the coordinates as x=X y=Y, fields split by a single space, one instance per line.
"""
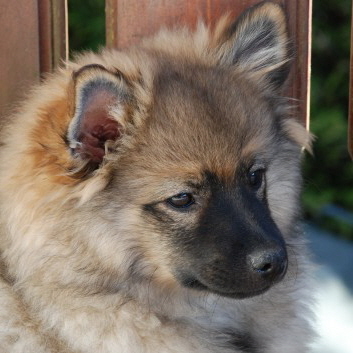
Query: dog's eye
x=182 y=200
x=255 y=178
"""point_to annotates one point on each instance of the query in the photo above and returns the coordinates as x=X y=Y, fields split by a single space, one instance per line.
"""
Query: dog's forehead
x=215 y=101
x=207 y=118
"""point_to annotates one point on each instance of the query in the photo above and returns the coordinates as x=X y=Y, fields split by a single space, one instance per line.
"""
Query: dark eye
x=255 y=178
x=182 y=200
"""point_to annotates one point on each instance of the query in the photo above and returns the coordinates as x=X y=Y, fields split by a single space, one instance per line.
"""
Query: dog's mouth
x=259 y=271
x=190 y=282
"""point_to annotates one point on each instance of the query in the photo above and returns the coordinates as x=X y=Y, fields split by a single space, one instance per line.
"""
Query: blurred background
x=328 y=174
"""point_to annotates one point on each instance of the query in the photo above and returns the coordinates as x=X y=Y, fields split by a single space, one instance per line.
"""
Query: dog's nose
x=270 y=265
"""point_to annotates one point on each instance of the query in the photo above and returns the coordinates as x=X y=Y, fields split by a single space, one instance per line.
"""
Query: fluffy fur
x=92 y=254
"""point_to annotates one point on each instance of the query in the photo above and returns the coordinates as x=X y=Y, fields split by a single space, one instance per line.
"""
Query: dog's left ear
x=257 y=43
x=99 y=112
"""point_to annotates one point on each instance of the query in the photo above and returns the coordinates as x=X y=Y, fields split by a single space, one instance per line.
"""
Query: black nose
x=270 y=265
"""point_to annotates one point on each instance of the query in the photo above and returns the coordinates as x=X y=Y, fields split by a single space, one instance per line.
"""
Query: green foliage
x=86 y=24
x=329 y=174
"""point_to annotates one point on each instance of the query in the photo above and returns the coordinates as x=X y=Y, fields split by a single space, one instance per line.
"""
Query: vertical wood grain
x=33 y=41
x=53 y=33
x=130 y=20
x=60 y=31
x=45 y=36
x=299 y=15
x=19 y=50
x=134 y=19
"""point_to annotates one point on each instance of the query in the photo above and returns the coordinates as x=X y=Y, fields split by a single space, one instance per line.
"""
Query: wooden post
x=53 y=33
x=33 y=41
x=127 y=21
x=19 y=49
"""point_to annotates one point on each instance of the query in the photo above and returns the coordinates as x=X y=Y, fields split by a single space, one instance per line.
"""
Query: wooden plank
x=299 y=15
x=130 y=20
x=19 y=50
x=33 y=41
x=350 y=109
x=135 y=19
x=60 y=32
x=111 y=23
x=53 y=33
x=45 y=35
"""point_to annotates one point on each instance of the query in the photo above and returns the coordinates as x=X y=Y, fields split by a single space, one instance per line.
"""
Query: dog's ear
x=100 y=101
x=257 y=43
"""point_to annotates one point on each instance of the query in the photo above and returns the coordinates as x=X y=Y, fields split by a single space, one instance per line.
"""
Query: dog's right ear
x=257 y=43
x=99 y=113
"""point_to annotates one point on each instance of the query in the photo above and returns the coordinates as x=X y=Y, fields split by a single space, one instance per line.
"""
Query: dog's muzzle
x=259 y=272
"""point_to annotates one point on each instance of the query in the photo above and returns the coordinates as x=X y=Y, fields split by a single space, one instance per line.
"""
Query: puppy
x=150 y=200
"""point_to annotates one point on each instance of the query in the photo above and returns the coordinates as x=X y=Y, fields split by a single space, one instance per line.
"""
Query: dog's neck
x=97 y=320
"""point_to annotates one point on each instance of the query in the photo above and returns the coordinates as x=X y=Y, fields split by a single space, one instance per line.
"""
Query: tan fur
x=81 y=269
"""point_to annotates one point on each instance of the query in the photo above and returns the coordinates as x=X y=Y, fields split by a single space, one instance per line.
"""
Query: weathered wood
x=60 y=31
x=300 y=20
x=53 y=33
x=130 y=20
x=350 y=110
x=33 y=41
x=45 y=35
x=135 y=19
x=19 y=50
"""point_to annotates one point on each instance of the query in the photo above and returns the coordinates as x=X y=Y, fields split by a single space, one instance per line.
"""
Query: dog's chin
x=195 y=284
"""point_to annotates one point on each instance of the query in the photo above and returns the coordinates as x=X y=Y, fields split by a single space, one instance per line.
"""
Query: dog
x=150 y=200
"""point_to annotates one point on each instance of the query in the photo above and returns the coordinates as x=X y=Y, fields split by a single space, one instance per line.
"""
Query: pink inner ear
x=96 y=127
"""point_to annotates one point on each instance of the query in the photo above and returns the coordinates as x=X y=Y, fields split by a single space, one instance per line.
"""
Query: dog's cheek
x=283 y=191
x=166 y=240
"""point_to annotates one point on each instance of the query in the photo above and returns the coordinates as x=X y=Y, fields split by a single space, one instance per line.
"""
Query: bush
x=329 y=174
x=86 y=24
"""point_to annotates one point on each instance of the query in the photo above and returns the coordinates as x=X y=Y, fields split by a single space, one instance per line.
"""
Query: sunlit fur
x=83 y=268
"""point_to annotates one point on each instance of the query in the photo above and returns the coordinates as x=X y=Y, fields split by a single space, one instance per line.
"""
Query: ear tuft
x=100 y=104
x=298 y=133
x=258 y=43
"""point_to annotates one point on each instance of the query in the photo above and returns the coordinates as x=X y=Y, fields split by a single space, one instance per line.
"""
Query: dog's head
x=183 y=158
